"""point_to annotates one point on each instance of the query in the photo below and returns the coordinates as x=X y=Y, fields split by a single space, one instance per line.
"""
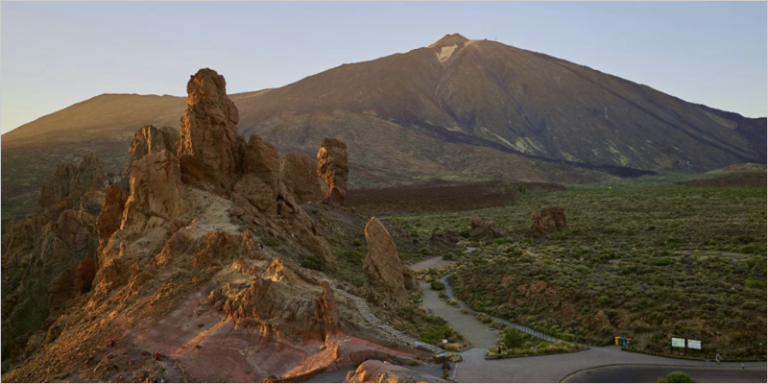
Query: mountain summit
x=460 y=110
x=454 y=39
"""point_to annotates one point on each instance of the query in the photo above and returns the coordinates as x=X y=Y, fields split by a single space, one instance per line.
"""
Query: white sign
x=694 y=344
x=679 y=343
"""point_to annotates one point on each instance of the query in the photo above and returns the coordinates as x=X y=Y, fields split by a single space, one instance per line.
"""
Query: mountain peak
x=449 y=40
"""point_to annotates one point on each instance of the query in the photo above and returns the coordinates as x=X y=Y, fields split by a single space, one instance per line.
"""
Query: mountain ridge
x=491 y=106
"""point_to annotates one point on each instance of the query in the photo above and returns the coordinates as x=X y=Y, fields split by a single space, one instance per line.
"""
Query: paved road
x=649 y=374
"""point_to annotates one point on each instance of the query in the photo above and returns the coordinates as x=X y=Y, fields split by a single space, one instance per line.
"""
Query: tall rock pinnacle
x=209 y=150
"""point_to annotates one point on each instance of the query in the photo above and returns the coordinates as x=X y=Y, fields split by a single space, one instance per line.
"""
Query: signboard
x=694 y=344
x=678 y=343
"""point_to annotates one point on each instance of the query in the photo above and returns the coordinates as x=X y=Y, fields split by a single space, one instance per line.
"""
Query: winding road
x=603 y=364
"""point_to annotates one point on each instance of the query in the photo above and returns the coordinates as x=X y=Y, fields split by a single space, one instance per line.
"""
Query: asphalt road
x=649 y=374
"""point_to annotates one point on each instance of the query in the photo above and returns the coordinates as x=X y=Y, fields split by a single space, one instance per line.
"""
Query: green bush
x=313 y=262
x=662 y=261
x=357 y=242
x=513 y=339
x=679 y=377
x=502 y=240
x=603 y=299
x=437 y=286
x=754 y=283
x=425 y=251
x=270 y=242
x=353 y=256
x=464 y=234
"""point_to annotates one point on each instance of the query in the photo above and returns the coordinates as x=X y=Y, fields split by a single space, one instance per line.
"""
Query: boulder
x=332 y=168
x=157 y=193
x=483 y=229
x=549 y=220
x=299 y=175
x=210 y=148
x=386 y=285
x=449 y=237
x=376 y=371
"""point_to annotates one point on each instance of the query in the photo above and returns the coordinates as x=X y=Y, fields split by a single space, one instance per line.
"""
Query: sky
x=53 y=55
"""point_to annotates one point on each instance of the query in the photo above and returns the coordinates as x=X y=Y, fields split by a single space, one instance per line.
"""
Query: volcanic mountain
x=458 y=110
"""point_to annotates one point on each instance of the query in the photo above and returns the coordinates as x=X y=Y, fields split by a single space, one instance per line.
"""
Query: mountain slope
x=459 y=109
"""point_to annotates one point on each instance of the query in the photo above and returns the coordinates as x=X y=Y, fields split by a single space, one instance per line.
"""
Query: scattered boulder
x=386 y=285
x=299 y=175
x=332 y=168
x=376 y=371
x=157 y=194
x=549 y=220
x=480 y=229
x=210 y=148
x=449 y=237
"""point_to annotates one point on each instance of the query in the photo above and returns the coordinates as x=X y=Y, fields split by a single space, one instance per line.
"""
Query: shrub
x=754 y=283
x=357 y=242
x=679 y=377
x=313 y=262
x=437 y=286
x=662 y=261
x=425 y=251
x=502 y=240
x=485 y=319
x=604 y=299
x=353 y=256
x=464 y=234
x=270 y=242
x=513 y=339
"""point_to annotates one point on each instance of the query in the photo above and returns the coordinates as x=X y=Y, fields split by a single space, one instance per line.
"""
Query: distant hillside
x=458 y=110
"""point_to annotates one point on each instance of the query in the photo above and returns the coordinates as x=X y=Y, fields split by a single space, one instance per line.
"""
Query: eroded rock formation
x=483 y=229
x=332 y=168
x=261 y=170
x=111 y=214
x=157 y=194
x=69 y=183
x=376 y=371
x=549 y=220
x=209 y=150
x=299 y=175
x=386 y=282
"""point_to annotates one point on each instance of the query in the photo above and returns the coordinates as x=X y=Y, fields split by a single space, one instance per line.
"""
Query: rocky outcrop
x=282 y=309
x=210 y=148
x=218 y=248
x=449 y=237
x=111 y=215
x=261 y=171
x=157 y=194
x=86 y=271
x=549 y=220
x=299 y=175
x=386 y=285
x=483 y=229
x=149 y=139
x=69 y=183
x=332 y=168
x=376 y=371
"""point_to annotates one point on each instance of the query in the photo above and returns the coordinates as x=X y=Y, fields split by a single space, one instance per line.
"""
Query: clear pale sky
x=53 y=55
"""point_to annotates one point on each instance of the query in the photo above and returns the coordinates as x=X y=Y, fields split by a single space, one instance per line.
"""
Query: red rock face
x=261 y=170
x=332 y=168
x=69 y=183
x=299 y=175
x=209 y=149
x=157 y=194
x=386 y=284
x=86 y=271
x=111 y=214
